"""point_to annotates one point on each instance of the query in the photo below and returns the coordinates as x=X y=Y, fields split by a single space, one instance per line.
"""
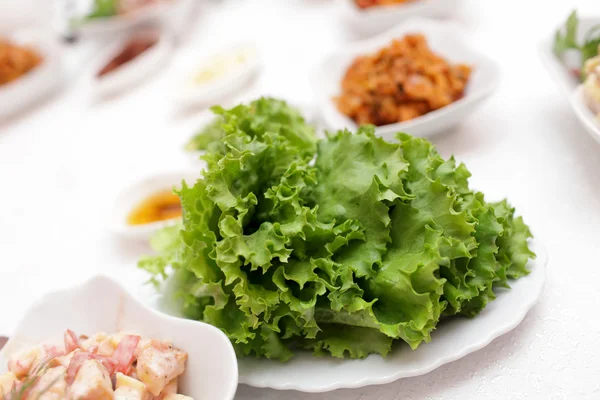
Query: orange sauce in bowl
x=160 y=206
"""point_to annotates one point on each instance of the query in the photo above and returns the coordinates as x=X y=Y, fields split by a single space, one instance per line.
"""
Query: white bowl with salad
x=71 y=345
x=571 y=56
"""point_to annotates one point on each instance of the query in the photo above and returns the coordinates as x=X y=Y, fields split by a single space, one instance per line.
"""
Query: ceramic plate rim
x=583 y=113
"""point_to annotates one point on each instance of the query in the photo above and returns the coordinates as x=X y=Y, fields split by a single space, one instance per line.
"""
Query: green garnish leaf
x=566 y=38
x=103 y=9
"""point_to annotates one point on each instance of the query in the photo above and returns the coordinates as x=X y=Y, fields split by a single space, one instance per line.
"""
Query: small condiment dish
x=139 y=191
x=133 y=72
x=233 y=67
x=444 y=38
x=101 y=304
x=37 y=83
x=380 y=18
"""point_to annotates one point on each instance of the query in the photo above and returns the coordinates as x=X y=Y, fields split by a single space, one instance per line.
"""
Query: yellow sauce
x=219 y=66
x=157 y=207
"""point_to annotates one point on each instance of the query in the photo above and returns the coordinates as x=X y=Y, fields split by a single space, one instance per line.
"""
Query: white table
x=62 y=163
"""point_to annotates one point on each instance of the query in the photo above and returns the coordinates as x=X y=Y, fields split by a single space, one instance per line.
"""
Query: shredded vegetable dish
x=400 y=82
x=16 y=61
x=120 y=366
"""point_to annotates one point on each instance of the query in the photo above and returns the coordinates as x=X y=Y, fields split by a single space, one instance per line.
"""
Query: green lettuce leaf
x=341 y=246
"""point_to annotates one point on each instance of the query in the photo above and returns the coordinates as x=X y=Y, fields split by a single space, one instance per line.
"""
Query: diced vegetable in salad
x=120 y=366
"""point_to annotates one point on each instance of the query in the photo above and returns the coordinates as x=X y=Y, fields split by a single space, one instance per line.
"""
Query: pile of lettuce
x=340 y=245
x=272 y=113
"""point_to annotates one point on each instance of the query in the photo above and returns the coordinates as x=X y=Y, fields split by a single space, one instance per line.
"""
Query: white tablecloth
x=63 y=162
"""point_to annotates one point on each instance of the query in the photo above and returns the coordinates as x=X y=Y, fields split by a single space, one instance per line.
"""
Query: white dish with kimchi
x=153 y=355
x=444 y=38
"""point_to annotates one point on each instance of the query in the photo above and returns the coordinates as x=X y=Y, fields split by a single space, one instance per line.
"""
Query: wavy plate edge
x=540 y=262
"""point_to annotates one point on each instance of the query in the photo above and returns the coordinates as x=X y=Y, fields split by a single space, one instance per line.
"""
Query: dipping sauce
x=222 y=64
x=131 y=50
x=16 y=61
x=160 y=206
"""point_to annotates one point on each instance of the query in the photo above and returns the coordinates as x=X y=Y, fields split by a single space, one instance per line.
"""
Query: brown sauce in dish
x=157 y=207
x=131 y=50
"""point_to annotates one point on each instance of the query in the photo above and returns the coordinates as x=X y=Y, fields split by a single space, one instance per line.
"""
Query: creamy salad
x=120 y=366
x=591 y=85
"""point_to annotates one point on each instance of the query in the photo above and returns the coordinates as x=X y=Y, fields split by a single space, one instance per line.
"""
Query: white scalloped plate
x=446 y=39
x=211 y=371
x=452 y=340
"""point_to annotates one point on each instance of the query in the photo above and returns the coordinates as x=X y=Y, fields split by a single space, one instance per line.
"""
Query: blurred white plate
x=165 y=13
x=452 y=340
x=377 y=19
x=137 y=192
x=444 y=38
x=211 y=370
x=132 y=72
x=23 y=14
x=37 y=83
x=568 y=83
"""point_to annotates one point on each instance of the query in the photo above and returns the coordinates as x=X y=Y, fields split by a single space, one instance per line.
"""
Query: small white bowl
x=211 y=370
x=187 y=93
x=37 y=83
x=377 y=19
x=444 y=38
x=137 y=192
x=132 y=72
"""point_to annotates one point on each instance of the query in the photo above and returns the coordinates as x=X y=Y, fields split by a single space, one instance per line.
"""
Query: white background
x=63 y=162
